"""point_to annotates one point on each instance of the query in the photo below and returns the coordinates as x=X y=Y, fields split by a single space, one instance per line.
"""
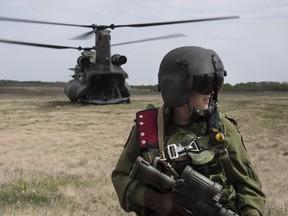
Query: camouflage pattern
x=245 y=196
x=198 y=155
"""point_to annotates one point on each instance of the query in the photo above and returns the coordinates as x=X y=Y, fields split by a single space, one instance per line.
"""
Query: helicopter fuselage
x=98 y=76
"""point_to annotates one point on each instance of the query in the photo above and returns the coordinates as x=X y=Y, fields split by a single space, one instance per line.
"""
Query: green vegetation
x=256 y=87
x=5 y=83
x=40 y=191
x=151 y=88
x=241 y=87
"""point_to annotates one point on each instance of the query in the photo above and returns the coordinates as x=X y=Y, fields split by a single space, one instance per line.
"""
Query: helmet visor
x=207 y=83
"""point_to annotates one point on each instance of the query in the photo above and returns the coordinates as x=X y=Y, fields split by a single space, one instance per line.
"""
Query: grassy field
x=56 y=157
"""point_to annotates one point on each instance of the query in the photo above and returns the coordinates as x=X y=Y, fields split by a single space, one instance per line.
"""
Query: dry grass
x=56 y=157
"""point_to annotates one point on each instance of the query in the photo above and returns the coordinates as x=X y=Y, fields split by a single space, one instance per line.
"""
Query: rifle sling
x=226 y=164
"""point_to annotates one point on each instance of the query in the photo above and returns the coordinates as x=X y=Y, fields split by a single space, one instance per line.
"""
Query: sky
x=252 y=48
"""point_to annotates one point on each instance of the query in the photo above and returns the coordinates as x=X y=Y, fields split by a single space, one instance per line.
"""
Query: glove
x=163 y=204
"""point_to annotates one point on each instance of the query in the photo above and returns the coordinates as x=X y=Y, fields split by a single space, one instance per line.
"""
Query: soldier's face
x=199 y=101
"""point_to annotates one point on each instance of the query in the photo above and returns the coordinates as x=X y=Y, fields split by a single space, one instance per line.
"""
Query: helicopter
x=98 y=76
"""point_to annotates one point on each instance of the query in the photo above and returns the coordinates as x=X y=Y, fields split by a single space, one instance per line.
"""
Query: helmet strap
x=190 y=108
x=217 y=67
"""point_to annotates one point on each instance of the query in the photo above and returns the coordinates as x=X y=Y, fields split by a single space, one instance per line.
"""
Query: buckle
x=172 y=151
x=193 y=147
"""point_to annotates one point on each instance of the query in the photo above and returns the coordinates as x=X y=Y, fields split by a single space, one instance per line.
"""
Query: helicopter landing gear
x=114 y=83
x=105 y=102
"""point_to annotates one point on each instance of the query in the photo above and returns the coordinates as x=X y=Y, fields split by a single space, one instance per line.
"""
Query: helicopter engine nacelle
x=83 y=61
x=118 y=59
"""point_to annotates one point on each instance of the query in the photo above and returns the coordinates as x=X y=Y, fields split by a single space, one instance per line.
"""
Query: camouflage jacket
x=245 y=196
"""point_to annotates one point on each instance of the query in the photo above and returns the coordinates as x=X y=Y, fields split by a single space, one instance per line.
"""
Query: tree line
x=256 y=87
x=240 y=87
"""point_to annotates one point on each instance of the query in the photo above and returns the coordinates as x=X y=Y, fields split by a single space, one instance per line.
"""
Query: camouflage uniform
x=245 y=195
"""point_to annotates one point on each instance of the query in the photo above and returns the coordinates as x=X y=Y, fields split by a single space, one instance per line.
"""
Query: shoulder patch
x=146 y=121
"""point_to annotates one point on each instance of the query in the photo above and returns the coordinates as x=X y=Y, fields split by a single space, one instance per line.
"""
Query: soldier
x=189 y=80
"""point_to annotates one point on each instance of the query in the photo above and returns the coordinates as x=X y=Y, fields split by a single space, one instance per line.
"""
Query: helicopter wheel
x=128 y=101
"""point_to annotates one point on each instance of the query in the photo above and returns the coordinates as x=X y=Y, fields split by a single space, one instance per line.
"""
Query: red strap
x=147 y=128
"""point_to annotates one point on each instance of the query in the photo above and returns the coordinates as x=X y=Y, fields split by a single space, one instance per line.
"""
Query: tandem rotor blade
x=151 y=39
x=174 y=22
x=83 y=36
x=112 y=26
x=42 y=45
x=42 y=22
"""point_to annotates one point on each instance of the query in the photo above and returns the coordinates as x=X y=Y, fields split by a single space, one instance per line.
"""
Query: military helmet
x=187 y=69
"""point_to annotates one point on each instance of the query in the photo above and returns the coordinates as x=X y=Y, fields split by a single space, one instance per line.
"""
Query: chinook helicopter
x=98 y=76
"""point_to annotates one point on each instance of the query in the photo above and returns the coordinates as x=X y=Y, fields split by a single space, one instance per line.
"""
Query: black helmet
x=189 y=68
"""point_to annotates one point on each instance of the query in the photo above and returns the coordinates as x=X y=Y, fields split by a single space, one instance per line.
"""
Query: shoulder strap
x=147 y=128
x=160 y=128
x=225 y=160
x=227 y=167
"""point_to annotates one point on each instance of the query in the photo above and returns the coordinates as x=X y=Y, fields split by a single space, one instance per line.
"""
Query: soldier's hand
x=163 y=204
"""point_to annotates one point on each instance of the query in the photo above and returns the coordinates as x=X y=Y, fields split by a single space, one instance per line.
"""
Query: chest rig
x=150 y=124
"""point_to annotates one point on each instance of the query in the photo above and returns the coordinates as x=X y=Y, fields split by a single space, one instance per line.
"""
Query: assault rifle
x=198 y=195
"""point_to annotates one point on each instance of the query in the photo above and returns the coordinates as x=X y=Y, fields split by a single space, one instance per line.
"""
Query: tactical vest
x=150 y=124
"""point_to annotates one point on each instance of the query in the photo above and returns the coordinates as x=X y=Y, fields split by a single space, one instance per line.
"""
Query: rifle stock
x=197 y=194
x=151 y=176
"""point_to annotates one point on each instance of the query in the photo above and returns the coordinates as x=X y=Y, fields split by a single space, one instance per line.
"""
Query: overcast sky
x=252 y=48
